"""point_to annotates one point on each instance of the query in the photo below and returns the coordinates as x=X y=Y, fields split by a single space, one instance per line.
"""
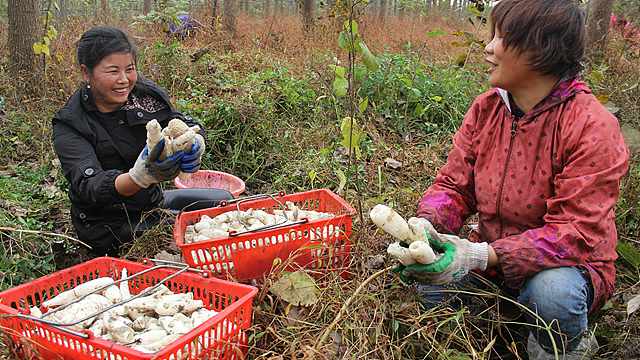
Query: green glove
x=459 y=257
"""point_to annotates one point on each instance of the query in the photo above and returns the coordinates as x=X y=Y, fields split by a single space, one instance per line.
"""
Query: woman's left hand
x=462 y=257
x=192 y=159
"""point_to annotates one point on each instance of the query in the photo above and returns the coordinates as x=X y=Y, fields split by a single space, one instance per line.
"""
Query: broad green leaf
x=312 y=175
x=436 y=32
x=342 y=178
x=343 y=41
x=436 y=98
x=363 y=105
x=354 y=27
x=340 y=86
x=629 y=253
x=359 y=72
x=340 y=71
x=37 y=48
x=52 y=32
x=352 y=132
x=296 y=288
x=370 y=61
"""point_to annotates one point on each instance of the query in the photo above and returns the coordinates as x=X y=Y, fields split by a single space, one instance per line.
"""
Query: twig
x=4 y=228
x=346 y=305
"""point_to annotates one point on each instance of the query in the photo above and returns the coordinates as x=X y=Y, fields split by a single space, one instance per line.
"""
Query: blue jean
x=560 y=296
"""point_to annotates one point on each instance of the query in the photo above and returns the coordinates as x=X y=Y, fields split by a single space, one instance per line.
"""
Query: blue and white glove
x=192 y=159
x=149 y=170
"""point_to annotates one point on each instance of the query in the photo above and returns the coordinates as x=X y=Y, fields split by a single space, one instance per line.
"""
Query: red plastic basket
x=221 y=337
x=319 y=244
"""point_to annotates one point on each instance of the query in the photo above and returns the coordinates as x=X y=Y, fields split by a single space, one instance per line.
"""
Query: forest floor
x=265 y=97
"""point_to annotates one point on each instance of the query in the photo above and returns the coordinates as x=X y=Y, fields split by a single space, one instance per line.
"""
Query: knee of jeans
x=558 y=295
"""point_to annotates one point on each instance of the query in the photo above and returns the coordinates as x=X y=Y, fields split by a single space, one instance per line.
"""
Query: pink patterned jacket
x=544 y=185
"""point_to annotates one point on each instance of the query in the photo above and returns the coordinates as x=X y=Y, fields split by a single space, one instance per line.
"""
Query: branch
x=37 y=232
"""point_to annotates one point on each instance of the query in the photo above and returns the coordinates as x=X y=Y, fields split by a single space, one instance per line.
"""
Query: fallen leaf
x=375 y=262
x=165 y=255
x=633 y=304
x=392 y=163
x=296 y=288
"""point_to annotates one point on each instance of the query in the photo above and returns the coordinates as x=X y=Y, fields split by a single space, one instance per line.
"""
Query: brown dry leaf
x=392 y=163
x=296 y=288
x=633 y=304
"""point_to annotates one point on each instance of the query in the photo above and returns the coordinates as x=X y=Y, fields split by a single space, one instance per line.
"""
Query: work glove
x=459 y=257
x=191 y=159
x=148 y=169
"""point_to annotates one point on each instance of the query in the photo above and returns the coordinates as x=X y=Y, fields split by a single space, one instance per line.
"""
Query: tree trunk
x=147 y=6
x=382 y=12
x=23 y=33
x=214 y=13
x=229 y=17
x=598 y=27
x=63 y=10
x=307 y=14
x=266 y=10
x=104 y=6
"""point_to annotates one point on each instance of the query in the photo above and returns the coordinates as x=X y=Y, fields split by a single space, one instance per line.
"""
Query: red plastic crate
x=221 y=337
x=319 y=244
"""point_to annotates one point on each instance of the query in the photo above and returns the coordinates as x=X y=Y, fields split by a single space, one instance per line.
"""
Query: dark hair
x=551 y=32
x=101 y=41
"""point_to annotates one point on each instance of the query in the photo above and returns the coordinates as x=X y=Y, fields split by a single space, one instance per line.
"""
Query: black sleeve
x=87 y=180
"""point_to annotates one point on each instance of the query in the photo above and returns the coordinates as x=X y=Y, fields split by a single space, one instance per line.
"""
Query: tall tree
x=147 y=6
x=598 y=27
x=229 y=17
x=23 y=33
x=307 y=14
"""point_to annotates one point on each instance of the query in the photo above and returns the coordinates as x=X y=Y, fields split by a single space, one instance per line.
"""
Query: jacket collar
x=565 y=89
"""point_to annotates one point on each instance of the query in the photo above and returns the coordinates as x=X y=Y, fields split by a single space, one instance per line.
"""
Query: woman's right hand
x=149 y=170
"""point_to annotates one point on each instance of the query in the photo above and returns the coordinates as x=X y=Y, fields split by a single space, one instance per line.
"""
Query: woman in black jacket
x=100 y=139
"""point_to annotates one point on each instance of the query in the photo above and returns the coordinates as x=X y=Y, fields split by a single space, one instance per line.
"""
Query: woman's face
x=509 y=69
x=111 y=80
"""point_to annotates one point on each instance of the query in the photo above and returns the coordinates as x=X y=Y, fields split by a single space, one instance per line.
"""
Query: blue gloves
x=149 y=170
x=192 y=159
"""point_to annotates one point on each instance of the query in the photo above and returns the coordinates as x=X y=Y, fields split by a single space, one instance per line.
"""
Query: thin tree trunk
x=23 y=33
x=307 y=14
x=266 y=8
x=382 y=12
x=598 y=27
x=214 y=13
x=104 y=6
x=147 y=6
x=229 y=17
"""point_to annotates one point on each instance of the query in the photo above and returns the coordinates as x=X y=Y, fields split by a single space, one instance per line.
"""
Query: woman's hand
x=149 y=170
x=192 y=159
x=460 y=257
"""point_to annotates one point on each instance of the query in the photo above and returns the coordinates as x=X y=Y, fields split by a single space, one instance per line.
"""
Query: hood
x=564 y=90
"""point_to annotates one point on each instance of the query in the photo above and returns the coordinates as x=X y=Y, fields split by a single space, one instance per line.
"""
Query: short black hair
x=101 y=41
x=552 y=32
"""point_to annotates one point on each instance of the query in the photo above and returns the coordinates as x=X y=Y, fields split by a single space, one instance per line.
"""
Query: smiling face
x=111 y=80
x=509 y=69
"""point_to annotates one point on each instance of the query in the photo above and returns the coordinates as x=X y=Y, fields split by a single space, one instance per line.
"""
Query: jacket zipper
x=514 y=130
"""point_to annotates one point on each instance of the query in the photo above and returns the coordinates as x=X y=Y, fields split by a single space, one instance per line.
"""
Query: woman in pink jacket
x=539 y=159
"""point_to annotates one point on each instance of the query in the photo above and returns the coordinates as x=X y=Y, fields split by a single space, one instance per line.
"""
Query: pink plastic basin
x=210 y=179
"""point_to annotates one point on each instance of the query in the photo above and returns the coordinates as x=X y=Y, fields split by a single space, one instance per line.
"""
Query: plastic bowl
x=209 y=179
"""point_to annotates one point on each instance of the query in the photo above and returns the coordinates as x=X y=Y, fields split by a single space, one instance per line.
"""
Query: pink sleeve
x=451 y=199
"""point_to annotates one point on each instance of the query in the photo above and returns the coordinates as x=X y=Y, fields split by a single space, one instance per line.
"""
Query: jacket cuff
x=107 y=192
